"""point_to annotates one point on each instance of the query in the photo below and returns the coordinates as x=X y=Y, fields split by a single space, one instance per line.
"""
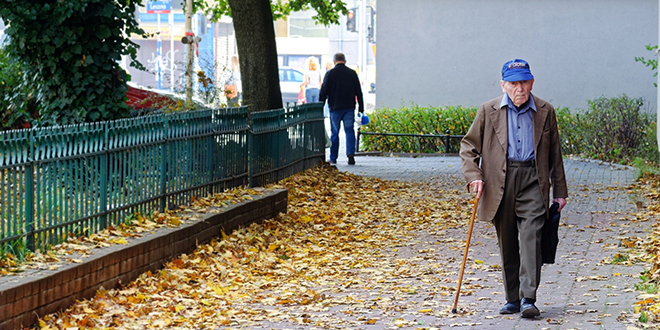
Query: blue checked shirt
x=521 y=135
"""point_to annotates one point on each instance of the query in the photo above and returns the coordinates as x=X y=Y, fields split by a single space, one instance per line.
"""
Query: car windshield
x=291 y=75
x=296 y=76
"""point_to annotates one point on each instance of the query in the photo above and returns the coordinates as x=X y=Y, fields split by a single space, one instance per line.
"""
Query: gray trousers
x=518 y=222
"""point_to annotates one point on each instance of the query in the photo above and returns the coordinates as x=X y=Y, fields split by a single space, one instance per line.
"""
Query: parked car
x=290 y=81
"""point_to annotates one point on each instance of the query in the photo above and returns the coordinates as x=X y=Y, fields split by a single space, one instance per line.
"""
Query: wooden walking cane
x=467 y=246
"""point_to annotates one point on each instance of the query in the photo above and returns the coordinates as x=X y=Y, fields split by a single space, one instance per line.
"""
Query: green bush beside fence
x=416 y=120
x=612 y=129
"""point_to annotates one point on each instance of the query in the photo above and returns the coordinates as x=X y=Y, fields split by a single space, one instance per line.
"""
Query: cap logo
x=517 y=65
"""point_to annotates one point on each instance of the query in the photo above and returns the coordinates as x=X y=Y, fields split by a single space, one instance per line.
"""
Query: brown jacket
x=486 y=144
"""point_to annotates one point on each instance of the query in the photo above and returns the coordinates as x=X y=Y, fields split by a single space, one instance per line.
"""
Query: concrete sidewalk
x=578 y=291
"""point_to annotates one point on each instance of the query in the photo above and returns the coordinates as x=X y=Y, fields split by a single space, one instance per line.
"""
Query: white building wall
x=450 y=52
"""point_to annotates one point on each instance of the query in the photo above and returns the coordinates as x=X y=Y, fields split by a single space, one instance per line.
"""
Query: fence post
x=308 y=138
x=279 y=146
x=104 y=178
x=447 y=147
x=210 y=151
x=249 y=148
x=29 y=193
x=357 y=142
x=163 y=165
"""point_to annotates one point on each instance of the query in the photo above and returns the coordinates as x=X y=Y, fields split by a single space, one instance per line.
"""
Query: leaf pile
x=647 y=249
x=77 y=248
x=325 y=263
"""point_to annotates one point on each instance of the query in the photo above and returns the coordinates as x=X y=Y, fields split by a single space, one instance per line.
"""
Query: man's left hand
x=561 y=201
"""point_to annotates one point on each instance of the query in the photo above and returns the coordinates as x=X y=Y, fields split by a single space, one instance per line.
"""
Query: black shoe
x=529 y=310
x=510 y=307
x=351 y=160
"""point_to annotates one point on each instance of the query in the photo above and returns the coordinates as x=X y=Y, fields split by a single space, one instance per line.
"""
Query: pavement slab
x=579 y=291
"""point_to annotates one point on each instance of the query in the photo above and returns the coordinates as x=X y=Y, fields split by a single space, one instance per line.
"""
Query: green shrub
x=416 y=120
x=611 y=129
x=71 y=52
x=15 y=111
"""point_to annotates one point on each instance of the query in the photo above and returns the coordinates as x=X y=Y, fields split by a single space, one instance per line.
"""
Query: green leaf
x=103 y=32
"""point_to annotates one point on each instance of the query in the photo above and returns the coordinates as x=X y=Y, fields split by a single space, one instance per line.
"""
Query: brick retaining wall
x=25 y=297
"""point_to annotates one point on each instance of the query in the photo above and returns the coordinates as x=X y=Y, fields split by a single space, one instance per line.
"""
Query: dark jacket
x=340 y=86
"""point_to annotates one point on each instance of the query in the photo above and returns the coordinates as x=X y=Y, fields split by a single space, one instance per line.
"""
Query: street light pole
x=362 y=26
x=189 y=53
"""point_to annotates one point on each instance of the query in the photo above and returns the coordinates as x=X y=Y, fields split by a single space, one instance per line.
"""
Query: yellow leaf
x=479 y=262
x=43 y=325
x=306 y=218
x=428 y=310
x=218 y=290
x=120 y=240
x=179 y=308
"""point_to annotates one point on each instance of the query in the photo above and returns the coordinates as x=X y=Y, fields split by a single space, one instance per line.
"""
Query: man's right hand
x=477 y=186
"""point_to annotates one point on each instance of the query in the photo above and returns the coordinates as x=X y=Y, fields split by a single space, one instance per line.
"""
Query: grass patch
x=620 y=258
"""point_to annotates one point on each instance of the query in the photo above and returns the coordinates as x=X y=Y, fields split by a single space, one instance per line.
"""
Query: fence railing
x=450 y=143
x=74 y=180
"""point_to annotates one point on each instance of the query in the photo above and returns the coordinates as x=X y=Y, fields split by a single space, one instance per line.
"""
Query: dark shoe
x=529 y=310
x=510 y=307
x=351 y=160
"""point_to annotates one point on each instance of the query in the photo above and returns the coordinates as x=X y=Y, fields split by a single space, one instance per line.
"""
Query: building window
x=307 y=28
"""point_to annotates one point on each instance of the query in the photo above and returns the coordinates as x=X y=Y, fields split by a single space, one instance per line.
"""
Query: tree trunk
x=257 y=53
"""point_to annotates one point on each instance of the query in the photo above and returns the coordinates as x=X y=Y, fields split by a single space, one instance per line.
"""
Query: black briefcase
x=549 y=236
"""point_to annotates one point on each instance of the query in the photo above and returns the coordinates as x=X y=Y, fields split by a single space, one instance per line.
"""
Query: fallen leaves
x=321 y=264
x=76 y=248
x=646 y=249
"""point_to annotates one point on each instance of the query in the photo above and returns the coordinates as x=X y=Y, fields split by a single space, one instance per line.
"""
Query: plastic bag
x=361 y=119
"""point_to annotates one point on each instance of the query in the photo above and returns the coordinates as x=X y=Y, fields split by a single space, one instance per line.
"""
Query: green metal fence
x=79 y=179
x=302 y=130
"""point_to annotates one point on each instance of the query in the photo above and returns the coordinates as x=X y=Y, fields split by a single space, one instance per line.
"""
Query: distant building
x=450 y=52
x=2 y=32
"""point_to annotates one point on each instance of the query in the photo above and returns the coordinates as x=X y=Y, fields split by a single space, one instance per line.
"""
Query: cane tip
x=454 y=311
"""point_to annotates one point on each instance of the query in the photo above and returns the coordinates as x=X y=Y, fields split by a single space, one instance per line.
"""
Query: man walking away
x=341 y=87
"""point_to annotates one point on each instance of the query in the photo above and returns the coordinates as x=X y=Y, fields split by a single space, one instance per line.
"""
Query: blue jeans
x=336 y=117
x=312 y=95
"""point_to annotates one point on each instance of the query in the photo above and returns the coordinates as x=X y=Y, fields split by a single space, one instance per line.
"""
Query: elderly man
x=511 y=157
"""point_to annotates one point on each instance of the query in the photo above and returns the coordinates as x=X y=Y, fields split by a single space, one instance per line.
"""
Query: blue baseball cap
x=516 y=70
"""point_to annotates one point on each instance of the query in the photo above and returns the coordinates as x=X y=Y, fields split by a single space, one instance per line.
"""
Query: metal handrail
x=446 y=137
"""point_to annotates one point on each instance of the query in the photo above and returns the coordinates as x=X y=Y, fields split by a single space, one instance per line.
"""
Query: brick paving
x=579 y=291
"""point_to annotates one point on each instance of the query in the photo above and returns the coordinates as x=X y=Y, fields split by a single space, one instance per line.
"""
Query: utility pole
x=189 y=52
x=362 y=41
x=657 y=106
